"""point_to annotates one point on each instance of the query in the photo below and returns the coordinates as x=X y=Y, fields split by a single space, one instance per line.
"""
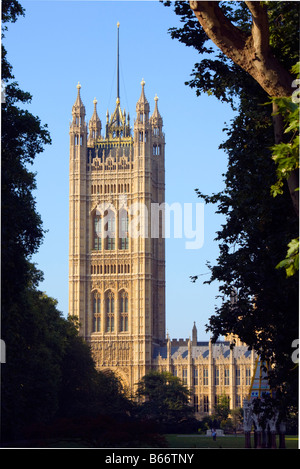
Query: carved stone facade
x=209 y=370
x=117 y=258
x=117 y=269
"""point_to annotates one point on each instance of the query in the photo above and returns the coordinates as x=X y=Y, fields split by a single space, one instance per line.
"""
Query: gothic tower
x=116 y=246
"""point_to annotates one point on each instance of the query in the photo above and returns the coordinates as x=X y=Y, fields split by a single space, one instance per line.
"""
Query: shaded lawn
x=236 y=442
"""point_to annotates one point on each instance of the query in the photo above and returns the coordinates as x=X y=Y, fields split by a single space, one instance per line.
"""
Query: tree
x=222 y=410
x=254 y=54
x=263 y=311
x=166 y=398
x=22 y=138
x=49 y=371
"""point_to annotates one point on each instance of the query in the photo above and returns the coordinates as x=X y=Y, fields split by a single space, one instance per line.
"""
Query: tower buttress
x=77 y=211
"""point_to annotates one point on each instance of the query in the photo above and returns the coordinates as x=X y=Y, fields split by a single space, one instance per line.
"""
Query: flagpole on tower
x=118 y=71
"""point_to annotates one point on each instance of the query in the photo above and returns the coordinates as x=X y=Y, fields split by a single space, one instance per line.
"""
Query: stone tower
x=116 y=246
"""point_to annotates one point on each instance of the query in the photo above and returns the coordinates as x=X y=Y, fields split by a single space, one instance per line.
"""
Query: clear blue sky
x=59 y=43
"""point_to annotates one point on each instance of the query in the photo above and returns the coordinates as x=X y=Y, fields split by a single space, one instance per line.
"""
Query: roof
x=202 y=350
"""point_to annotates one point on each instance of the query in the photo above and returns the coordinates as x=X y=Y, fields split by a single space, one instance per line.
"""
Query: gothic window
x=205 y=376
x=110 y=311
x=205 y=404
x=226 y=377
x=184 y=376
x=123 y=229
x=123 y=309
x=237 y=376
x=248 y=376
x=96 y=306
x=110 y=230
x=154 y=150
x=97 y=233
x=195 y=376
x=217 y=380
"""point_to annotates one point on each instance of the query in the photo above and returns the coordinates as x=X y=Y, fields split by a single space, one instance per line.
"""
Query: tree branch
x=252 y=53
x=260 y=27
x=219 y=29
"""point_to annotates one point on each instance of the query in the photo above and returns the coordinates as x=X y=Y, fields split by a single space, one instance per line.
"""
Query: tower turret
x=142 y=107
x=156 y=127
x=141 y=124
x=78 y=128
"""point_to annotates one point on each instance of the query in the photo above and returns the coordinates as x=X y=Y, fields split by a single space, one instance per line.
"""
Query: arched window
x=123 y=310
x=123 y=229
x=110 y=311
x=96 y=307
x=97 y=233
x=110 y=230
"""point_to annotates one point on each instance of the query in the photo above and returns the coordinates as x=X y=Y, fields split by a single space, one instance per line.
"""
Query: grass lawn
x=236 y=442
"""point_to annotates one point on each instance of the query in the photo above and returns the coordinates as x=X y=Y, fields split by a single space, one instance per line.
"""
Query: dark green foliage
x=164 y=399
x=258 y=227
x=100 y=431
x=49 y=372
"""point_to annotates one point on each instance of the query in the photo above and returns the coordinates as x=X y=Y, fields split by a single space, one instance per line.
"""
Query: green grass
x=236 y=442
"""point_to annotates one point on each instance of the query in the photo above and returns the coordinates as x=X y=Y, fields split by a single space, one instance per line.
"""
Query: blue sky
x=59 y=43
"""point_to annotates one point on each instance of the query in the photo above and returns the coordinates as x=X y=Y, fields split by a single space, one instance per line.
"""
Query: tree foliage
x=49 y=371
x=166 y=398
x=263 y=311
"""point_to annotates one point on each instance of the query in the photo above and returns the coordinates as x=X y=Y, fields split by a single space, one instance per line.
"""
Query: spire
x=94 y=125
x=116 y=127
x=156 y=118
x=194 y=334
x=142 y=106
x=95 y=115
x=156 y=113
x=78 y=109
x=143 y=99
x=78 y=103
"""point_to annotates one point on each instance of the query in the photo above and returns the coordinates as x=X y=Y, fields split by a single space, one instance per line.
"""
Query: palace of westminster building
x=117 y=278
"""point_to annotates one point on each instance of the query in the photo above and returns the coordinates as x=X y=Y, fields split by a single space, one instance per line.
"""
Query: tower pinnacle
x=78 y=107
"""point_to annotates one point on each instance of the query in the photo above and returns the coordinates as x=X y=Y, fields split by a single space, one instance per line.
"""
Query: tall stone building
x=117 y=270
x=117 y=255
